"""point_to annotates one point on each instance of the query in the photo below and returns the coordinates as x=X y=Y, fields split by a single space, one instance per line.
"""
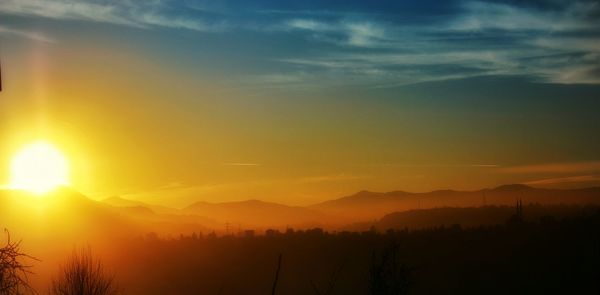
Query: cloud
x=393 y=69
x=579 y=179
x=483 y=16
x=263 y=189
x=142 y=14
x=555 y=43
x=553 y=168
x=311 y=25
x=345 y=33
x=331 y=178
x=241 y=164
x=364 y=34
x=36 y=36
x=277 y=78
x=559 y=45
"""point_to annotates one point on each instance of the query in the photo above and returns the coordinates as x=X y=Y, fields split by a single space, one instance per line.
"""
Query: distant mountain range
x=371 y=206
x=72 y=214
x=255 y=213
x=62 y=215
x=367 y=205
x=121 y=202
x=68 y=215
x=476 y=216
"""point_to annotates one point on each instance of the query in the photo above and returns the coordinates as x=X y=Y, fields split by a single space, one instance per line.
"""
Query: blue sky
x=374 y=44
x=310 y=98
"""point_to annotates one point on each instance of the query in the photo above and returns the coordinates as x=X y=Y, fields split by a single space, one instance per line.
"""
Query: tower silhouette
x=517 y=218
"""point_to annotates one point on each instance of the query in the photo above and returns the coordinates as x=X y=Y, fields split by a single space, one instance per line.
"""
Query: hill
x=70 y=216
x=257 y=213
x=480 y=216
x=116 y=201
x=367 y=205
x=63 y=215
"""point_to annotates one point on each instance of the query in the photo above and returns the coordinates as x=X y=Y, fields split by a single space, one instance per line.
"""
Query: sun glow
x=39 y=167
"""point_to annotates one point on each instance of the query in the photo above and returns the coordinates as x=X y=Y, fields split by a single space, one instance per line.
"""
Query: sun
x=39 y=167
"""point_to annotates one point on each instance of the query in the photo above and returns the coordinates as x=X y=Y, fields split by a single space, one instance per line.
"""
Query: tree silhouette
x=13 y=273
x=387 y=275
x=276 y=275
x=83 y=275
x=332 y=281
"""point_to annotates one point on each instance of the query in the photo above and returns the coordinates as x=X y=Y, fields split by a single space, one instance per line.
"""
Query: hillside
x=63 y=215
x=257 y=213
x=116 y=201
x=367 y=205
x=70 y=216
x=480 y=216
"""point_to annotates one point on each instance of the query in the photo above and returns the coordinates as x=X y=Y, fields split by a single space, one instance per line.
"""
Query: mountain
x=116 y=201
x=257 y=213
x=367 y=205
x=480 y=216
x=71 y=217
x=63 y=215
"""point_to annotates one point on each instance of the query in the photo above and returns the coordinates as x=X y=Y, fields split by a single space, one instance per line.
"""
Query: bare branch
x=14 y=274
x=82 y=275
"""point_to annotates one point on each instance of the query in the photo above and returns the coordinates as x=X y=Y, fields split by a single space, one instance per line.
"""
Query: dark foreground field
x=550 y=255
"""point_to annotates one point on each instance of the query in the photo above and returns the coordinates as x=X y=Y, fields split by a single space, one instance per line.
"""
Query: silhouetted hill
x=69 y=216
x=512 y=188
x=138 y=210
x=256 y=213
x=122 y=202
x=475 y=217
x=63 y=215
x=367 y=205
x=69 y=210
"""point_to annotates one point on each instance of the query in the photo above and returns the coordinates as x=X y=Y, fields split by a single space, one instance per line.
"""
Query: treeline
x=523 y=256
x=548 y=255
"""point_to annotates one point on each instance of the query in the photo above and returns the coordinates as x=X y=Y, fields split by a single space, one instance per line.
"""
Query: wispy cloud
x=331 y=178
x=482 y=39
x=430 y=165
x=141 y=14
x=241 y=164
x=37 y=36
x=184 y=194
x=483 y=16
x=579 y=179
x=555 y=43
x=345 y=33
x=553 y=168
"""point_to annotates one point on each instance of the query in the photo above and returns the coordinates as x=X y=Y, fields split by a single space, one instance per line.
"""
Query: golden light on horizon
x=39 y=167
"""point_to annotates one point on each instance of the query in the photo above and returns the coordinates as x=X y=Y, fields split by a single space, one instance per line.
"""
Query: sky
x=298 y=102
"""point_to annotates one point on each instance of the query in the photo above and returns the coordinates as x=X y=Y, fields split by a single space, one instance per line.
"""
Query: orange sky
x=169 y=117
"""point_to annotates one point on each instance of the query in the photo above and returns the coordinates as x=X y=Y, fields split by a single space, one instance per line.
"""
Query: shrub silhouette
x=83 y=275
x=13 y=273
x=387 y=275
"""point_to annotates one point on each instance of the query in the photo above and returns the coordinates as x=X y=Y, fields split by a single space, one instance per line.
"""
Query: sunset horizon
x=342 y=110
x=299 y=147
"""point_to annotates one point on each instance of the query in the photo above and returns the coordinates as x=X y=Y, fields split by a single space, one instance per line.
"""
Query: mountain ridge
x=370 y=205
x=256 y=214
